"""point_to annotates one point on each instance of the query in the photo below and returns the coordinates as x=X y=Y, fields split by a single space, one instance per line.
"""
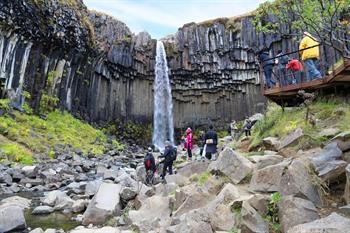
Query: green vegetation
x=201 y=179
x=48 y=103
x=141 y=133
x=12 y=151
x=272 y=212
x=329 y=113
x=42 y=136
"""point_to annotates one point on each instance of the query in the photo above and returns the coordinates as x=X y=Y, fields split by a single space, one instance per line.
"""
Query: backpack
x=173 y=154
x=148 y=162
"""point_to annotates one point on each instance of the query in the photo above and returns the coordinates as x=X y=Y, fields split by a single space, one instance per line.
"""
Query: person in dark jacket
x=149 y=161
x=267 y=64
x=281 y=61
x=211 y=141
x=247 y=127
x=168 y=159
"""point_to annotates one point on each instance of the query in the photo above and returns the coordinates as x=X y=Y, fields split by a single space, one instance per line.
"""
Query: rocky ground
x=270 y=192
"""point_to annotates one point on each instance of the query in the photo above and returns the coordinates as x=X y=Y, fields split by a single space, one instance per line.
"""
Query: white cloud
x=170 y=13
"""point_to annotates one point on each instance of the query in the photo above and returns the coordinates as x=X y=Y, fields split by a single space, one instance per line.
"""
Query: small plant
x=272 y=212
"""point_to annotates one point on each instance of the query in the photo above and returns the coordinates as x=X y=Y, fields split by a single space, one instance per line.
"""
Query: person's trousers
x=312 y=71
x=166 y=166
x=247 y=133
x=189 y=152
x=268 y=76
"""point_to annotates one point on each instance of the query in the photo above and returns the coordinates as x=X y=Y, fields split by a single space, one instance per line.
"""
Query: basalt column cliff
x=100 y=71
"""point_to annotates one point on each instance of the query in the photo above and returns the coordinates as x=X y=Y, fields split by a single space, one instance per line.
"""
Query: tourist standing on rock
x=234 y=129
x=267 y=64
x=247 y=127
x=189 y=143
x=168 y=156
x=150 y=166
x=310 y=54
x=211 y=141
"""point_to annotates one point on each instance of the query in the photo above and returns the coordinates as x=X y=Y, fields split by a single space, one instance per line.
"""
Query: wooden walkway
x=286 y=95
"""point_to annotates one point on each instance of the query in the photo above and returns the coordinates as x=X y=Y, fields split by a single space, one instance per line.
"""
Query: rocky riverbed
x=271 y=192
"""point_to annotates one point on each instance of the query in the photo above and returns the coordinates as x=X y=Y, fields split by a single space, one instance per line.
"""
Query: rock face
x=105 y=203
x=294 y=211
x=334 y=223
x=233 y=165
x=11 y=218
x=100 y=71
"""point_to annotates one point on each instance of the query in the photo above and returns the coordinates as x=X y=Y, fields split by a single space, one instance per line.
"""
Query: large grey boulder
x=92 y=187
x=58 y=199
x=291 y=138
x=328 y=163
x=271 y=143
x=155 y=211
x=334 y=223
x=5 y=178
x=342 y=140
x=43 y=210
x=128 y=194
x=105 y=203
x=347 y=186
x=297 y=181
x=232 y=165
x=80 y=205
x=269 y=178
x=262 y=161
x=195 y=221
x=221 y=217
x=11 y=218
x=30 y=171
x=251 y=220
x=293 y=211
x=21 y=202
x=193 y=168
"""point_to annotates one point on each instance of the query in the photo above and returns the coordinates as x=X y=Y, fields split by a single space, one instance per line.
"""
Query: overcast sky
x=164 y=17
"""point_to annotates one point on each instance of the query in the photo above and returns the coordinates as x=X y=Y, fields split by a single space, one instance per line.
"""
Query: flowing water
x=163 y=125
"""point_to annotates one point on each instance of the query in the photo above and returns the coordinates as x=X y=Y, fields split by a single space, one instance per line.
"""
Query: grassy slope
x=278 y=123
x=25 y=134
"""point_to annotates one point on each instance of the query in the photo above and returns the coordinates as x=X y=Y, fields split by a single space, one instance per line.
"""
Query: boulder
x=105 y=203
x=11 y=218
x=251 y=220
x=5 y=178
x=128 y=194
x=291 y=138
x=271 y=143
x=195 y=199
x=92 y=187
x=233 y=165
x=153 y=212
x=95 y=230
x=294 y=211
x=342 y=140
x=51 y=230
x=79 y=206
x=195 y=221
x=37 y=230
x=334 y=223
x=58 y=199
x=328 y=132
x=269 y=178
x=297 y=181
x=328 y=163
x=347 y=186
x=21 y=202
x=221 y=217
x=43 y=210
x=30 y=171
x=265 y=160
x=193 y=168
x=345 y=210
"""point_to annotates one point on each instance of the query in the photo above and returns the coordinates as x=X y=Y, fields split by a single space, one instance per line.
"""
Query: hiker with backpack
x=169 y=156
x=211 y=141
x=189 y=143
x=150 y=166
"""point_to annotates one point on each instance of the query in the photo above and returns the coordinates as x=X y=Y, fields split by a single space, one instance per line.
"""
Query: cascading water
x=163 y=125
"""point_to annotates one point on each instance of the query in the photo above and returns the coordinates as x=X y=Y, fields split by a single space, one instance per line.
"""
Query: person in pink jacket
x=189 y=143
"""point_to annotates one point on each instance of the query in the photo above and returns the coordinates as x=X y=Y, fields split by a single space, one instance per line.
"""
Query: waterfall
x=24 y=65
x=163 y=125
